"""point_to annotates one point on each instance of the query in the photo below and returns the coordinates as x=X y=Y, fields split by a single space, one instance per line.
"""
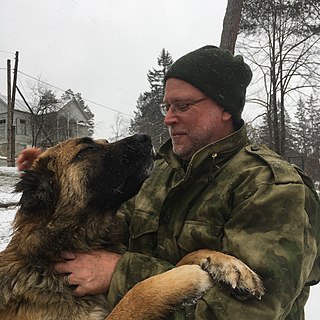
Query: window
x=21 y=127
x=3 y=128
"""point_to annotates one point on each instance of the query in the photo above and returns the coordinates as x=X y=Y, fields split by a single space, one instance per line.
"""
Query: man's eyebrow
x=178 y=100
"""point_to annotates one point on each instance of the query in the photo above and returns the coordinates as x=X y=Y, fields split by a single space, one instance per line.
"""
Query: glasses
x=179 y=106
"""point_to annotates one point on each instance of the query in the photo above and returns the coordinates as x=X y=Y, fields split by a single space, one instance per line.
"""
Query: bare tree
x=120 y=128
x=43 y=111
x=282 y=40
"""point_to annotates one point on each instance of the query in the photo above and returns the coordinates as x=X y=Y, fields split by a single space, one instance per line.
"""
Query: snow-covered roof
x=19 y=104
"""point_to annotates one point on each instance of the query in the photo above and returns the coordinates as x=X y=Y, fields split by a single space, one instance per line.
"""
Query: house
x=66 y=120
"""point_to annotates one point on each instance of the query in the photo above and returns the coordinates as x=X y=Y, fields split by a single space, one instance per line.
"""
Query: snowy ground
x=9 y=176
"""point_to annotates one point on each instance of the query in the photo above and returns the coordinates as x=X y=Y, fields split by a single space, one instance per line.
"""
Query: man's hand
x=26 y=158
x=90 y=272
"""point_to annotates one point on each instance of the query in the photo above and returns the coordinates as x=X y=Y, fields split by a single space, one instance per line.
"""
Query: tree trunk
x=231 y=24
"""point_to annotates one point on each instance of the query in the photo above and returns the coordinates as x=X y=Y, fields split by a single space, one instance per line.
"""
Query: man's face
x=197 y=126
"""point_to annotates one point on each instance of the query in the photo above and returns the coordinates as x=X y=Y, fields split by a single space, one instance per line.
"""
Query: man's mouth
x=177 y=133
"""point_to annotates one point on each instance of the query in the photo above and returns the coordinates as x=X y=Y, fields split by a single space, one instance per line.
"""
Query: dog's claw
x=236 y=274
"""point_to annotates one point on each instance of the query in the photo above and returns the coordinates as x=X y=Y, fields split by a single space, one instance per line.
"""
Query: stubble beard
x=194 y=141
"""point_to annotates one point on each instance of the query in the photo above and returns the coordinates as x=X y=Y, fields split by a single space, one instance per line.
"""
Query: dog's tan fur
x=69 y=199
x=197 y=272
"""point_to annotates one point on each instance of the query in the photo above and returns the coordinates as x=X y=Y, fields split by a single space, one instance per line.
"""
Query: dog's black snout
x=142 y=137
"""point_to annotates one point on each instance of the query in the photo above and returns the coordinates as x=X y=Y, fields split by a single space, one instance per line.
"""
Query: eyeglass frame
x=179 y=106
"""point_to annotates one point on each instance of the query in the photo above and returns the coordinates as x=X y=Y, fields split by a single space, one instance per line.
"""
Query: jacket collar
x=220 y=151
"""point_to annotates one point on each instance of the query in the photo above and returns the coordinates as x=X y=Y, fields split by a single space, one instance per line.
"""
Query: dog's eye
x=84 y=151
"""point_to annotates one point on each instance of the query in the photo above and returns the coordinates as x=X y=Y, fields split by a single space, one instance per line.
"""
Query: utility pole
x=11 y=102
x=9 y=115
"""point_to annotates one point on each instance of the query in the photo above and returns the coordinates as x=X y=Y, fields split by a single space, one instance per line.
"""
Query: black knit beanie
x=218 y=74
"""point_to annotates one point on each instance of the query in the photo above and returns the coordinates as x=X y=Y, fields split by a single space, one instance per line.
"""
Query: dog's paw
x=235 y=273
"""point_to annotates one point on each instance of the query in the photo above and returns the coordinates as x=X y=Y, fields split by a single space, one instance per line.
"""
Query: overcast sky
x=104 y=49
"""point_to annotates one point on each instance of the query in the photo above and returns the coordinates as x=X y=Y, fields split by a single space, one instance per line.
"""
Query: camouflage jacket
x=233 y=197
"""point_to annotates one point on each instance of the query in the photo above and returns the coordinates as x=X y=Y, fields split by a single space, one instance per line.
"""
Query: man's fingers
x=27 y=156
x=68 y=255
x=64 y=266
x=61 y=267
x=78 y=291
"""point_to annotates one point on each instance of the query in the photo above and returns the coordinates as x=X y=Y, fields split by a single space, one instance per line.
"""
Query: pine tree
x=264 y=135
x=148 y=118
x=312 y=110
x=302 y=129
x=68 y=95
x=307 y=135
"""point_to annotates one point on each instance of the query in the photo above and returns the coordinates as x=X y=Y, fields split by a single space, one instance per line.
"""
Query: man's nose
x=170 y=118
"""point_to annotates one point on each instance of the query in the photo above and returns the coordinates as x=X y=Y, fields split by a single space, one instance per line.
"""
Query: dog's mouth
x=137 y=165
x=132 y=184
x=118 y=190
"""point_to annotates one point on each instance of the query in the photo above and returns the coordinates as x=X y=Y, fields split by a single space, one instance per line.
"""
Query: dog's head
x=82 y=173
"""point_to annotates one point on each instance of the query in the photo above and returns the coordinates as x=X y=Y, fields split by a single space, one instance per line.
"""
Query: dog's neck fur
x=53 y=237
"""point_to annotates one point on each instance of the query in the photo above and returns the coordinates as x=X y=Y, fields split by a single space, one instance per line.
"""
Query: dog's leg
x=227 y=269
x=197 y=272
x=155 y=296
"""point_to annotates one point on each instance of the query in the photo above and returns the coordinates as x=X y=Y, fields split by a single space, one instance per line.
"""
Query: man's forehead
x=180 y=89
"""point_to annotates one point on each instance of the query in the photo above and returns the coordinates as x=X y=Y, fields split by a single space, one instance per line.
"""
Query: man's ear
x=39 y=190
x=226 y=116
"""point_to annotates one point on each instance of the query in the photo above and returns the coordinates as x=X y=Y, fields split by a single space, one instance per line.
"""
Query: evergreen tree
x=307 y=135
x=42 y=119
x=68 y=95
x=48 y=101
x=148 y=118
x=312 y=110
x=302 y=129
x=264 y=135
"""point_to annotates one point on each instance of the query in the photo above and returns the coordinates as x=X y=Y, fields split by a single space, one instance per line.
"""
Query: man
x=212 y=189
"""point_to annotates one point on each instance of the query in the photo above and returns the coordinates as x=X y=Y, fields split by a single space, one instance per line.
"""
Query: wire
x=96 y=103
x=6 y=52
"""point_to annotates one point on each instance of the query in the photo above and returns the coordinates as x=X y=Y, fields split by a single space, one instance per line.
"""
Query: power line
x=6 y=52
x=100 y=105
x=96 y=103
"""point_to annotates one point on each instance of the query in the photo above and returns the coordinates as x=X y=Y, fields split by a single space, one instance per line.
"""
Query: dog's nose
x=142 y=137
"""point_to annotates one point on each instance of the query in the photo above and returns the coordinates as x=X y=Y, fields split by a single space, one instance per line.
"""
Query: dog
x=69 y=201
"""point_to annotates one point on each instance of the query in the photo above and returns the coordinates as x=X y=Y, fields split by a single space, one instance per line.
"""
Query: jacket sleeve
x=269 y=230
x=131 y=269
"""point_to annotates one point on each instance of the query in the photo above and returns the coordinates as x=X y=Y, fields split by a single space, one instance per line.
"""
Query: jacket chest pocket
x=197 y=235
x=143 y=232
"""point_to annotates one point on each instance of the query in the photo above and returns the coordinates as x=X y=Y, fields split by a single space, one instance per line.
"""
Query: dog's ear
x=39 y=188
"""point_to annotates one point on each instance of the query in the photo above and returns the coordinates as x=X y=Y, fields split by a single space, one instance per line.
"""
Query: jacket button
x=255 y=147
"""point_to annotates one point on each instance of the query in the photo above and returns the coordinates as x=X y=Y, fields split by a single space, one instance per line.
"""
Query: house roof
x=67 y=103
x=19 y=104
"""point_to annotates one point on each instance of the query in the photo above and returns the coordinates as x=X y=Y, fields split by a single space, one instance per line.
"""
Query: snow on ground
x=9 y=176
x=6 y=217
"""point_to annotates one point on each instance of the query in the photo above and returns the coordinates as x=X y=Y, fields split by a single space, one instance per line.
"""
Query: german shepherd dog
x=69 y=201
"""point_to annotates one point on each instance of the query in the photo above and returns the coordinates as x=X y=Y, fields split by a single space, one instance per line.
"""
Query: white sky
x=104 y=49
